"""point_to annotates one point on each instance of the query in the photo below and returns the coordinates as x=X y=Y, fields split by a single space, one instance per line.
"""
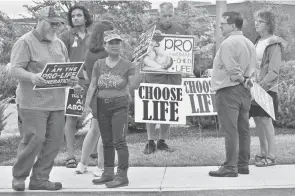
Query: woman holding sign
x=113 y=78
x=269 y=50
x=96 y=51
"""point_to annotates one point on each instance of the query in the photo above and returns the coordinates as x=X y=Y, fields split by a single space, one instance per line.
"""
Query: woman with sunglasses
x=113 y=77
x=269 y=49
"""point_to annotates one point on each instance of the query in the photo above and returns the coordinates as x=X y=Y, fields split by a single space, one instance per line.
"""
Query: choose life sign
x=58 y=74
x=198 y=96
x=159 y=103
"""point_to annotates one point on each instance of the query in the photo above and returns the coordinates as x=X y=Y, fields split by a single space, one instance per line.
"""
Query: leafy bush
x=286 y=117
x=7 y=83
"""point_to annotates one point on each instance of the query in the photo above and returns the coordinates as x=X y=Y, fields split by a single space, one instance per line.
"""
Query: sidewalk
x=276 y=180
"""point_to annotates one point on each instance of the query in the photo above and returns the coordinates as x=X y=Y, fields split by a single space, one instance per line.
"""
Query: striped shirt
x=32 y=52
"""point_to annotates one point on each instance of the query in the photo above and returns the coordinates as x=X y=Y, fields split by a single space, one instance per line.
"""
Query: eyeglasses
x=53 y=24
x=259 y=21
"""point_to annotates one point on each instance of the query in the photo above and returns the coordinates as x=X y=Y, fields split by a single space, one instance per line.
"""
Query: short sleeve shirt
x=113 y=82
x=32 y=52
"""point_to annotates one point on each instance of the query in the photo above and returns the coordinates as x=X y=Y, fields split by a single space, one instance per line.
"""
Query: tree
x=6 y=38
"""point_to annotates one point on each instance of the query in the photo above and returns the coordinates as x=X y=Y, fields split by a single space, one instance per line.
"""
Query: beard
x=50 y=36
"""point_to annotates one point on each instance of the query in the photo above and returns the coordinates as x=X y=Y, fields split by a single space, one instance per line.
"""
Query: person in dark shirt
x=165 y=25
x=113 y=78
x=76 y=41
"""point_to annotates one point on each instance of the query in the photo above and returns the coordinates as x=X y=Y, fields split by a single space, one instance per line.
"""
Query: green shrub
x=7 y=83
x=286 y=94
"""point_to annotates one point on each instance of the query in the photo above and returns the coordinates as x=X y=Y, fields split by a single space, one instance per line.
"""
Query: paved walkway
x=158 y=180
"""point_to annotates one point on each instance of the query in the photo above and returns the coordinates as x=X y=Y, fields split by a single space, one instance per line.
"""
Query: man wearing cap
x=41 y=111
x=233 y=66
x=76 y=40
x=163 y=26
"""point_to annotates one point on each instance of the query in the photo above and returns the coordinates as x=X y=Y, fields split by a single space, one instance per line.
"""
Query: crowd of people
x=107 y=80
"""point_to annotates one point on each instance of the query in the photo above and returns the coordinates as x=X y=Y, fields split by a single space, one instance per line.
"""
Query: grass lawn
x=189 y=148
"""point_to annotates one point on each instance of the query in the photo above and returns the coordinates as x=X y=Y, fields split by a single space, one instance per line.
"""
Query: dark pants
x=113 y=125
x=233 y=105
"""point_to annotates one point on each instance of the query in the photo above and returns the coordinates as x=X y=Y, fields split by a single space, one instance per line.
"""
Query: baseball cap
x=50 y=14
x=111 y=35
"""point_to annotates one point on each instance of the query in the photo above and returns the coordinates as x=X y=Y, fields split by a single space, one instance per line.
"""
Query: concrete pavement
x=276 y=180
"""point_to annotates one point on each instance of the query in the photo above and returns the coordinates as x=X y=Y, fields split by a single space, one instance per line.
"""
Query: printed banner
x=74 y=103
x=159 y=103
x=57 y=74
x=198 y=97
x=143 y=44
x=169 y=54
x=263 y=99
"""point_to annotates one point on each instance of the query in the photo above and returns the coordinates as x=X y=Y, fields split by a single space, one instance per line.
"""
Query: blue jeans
x=42 y=137
x=113 y=124
x=233 y=105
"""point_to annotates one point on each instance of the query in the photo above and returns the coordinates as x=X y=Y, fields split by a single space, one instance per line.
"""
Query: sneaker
x=81 y=168
x=150 y=147
x=18 y=185
x=161 y=145
x=224 y=172
x=98 y=172
x=49 y=186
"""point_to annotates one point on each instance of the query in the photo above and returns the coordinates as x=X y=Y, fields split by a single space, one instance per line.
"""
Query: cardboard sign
x=57 y=74
x=159 y=103
x=198 y=97
x=143 y=44
x=170 y=54
x=263 y=99
x=74 y=103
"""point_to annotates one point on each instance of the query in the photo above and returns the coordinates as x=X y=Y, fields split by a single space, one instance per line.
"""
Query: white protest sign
x=198 y=97
x=169 y=54
x=263 y=99
x=159 y=103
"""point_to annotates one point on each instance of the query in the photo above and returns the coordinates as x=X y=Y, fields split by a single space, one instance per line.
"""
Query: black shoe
x=223 y=172
x=150 y=147
x=243 y=170
x=48 y=186
x=161 y=145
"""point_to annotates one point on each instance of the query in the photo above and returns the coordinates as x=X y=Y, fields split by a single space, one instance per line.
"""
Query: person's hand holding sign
x=73 y=81
x=86 y=110
x=78 y=89
x=38 y=80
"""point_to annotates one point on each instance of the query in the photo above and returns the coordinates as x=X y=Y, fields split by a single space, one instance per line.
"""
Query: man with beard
x=76 y=40
x=41 y=111
x=163 y=26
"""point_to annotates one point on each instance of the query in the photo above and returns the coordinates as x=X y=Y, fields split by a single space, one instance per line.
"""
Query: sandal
x=71 y=163
x=265 y=162
x=258 y=158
